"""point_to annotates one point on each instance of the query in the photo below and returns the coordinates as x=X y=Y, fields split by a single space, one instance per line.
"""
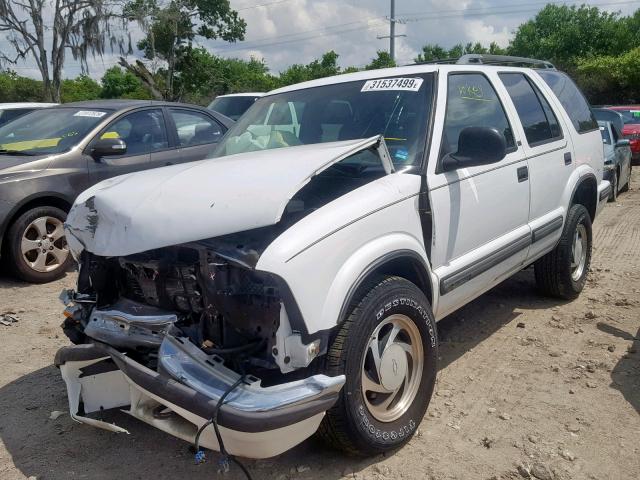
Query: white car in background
x=11 y=111
x=235 y=104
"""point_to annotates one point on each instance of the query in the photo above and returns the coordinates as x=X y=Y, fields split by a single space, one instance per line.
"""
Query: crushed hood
x=194 y=201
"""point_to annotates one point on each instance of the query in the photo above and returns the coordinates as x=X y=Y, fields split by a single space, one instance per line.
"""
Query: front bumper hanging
x=255 y=421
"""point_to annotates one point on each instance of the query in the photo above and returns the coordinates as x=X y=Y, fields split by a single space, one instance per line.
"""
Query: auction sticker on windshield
x=381 y=84
x=89 y=113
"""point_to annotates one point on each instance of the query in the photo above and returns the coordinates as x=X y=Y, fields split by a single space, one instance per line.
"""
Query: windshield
x=232 y=107
x=397 y=108
x=631 y=116
x=50 y=130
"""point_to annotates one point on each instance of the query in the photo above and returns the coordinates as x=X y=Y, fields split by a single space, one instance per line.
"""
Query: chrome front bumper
x=255 y=421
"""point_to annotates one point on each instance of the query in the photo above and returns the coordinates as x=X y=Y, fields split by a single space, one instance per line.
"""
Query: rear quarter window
x=572 y=100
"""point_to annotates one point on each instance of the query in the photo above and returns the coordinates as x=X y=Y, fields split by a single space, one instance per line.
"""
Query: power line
x=261 y=5
x=425 y=17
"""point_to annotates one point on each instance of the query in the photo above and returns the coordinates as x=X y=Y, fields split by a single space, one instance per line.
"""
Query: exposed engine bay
x=217 y=303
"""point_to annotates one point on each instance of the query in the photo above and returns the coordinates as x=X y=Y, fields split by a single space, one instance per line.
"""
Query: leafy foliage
x=170 y=30
x=431 y=52
x=14 y=88
x=383 y=60
x=611 y=79
x=564 y=34
x=80 y=88
x=119 y=83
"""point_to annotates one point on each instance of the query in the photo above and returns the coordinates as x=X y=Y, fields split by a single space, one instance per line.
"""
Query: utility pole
x=392 y=32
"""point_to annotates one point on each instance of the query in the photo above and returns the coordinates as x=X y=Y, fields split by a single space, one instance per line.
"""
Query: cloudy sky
x=283 y=32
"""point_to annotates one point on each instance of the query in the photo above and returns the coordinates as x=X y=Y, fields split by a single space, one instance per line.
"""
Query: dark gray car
x=49 y=156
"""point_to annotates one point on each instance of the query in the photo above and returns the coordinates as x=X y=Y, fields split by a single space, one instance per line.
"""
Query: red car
x=631 y=114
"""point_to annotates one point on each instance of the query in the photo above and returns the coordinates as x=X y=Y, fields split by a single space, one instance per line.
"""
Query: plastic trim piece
x=471 y=271
x=547 y=229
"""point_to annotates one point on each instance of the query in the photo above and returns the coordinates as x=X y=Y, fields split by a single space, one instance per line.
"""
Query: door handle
x=523 y=174
x=567 y=158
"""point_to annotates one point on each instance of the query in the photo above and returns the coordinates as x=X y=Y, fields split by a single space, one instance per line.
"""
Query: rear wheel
x=387 y=348
x=563 y=272
x=36 y=246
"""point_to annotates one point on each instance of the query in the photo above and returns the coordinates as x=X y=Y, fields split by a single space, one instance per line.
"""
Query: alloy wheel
x=392 y=368
x=43 y=244
x=579 y=252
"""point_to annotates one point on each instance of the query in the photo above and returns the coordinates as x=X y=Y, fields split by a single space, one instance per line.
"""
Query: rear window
x=572 y=100
x=232 y=107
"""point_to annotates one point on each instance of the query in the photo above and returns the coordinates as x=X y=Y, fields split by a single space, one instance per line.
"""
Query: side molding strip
x=547 y=229
x=469 y=272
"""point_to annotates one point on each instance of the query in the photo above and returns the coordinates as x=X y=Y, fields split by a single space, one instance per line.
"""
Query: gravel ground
x=528 y=387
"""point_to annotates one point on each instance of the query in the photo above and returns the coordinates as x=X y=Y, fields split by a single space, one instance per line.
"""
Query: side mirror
x=623 y=142
x=476 y=146
x=108 y=146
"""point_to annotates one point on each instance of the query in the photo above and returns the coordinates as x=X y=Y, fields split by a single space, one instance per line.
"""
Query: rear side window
x=195 y=128
x=472 y=102
x=539 y=122
x=572 y=100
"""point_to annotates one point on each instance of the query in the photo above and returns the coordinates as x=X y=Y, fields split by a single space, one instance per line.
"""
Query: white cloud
x=299 y=31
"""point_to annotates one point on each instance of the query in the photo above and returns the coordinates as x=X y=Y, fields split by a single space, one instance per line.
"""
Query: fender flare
x=586 y=177
x=423 y=271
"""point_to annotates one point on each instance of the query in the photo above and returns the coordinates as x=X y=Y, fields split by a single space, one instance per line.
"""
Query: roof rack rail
x=486 y=59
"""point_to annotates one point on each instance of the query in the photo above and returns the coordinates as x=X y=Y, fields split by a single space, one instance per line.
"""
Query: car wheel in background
x=627 y=185
x=387 y=349
x=36 y=246
x=563 y=272
x=613 y=196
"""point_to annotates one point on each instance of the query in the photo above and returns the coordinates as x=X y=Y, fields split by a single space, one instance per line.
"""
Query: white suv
x=293 y=283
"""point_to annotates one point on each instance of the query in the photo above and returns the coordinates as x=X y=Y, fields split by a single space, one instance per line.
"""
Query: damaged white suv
x=292 y=283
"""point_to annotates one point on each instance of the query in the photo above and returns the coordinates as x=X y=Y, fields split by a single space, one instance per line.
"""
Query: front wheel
x=36 y=246
x=563 y=272
x=387 y=349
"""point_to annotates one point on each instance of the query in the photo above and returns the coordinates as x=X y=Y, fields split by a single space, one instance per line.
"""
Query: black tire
x=628 y=184
x=16 y=261
x=613 y=196
x=553 y=272
x=349 y=425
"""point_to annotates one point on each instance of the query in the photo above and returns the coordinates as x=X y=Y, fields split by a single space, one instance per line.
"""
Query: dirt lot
x=525 y=384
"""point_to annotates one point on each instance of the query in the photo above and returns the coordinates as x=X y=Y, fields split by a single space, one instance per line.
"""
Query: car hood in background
x=18 y=163
x=195 y=201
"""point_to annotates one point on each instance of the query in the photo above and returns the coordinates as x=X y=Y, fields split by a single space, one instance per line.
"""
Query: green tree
x=119 y=83
x=80 y=88
x=563 y=34
x=611 y=79
x=383 y=60
x=46 y=32
x=14 y=88
x=431 y=52
x=170 y=30
x=325 y=67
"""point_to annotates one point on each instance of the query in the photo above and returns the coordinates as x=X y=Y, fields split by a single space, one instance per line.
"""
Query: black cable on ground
x=214 y=421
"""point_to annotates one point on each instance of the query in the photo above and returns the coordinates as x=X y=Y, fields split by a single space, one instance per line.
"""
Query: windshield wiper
x=4 y=151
